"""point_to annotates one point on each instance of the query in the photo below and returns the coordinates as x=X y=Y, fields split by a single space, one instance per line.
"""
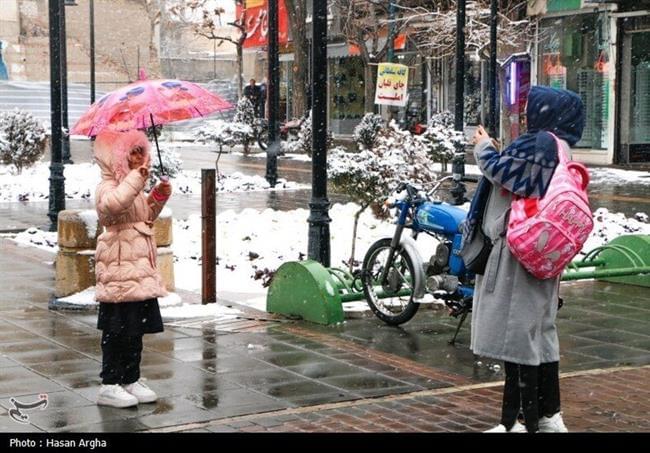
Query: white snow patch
x=355 y=307
x=617 y=176
x=89 y=217
x=85 y=297
x=35 y=237
x=609 y=225
x=165 y=213
x=33 y=184
x=219 y=312
x=170 y=300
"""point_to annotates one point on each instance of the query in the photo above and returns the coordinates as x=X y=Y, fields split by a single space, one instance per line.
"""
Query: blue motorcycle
x=394 y=276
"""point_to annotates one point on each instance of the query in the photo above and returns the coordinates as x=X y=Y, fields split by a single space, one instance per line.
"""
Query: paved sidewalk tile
x=608 y=401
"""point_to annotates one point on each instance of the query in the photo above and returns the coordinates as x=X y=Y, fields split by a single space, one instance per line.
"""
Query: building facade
x=600 y=50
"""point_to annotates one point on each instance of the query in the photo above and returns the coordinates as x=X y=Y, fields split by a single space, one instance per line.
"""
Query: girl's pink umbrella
x=148 y=103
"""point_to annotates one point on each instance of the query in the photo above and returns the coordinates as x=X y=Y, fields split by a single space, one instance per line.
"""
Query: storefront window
x=346 y=94
x=574 y=55
x=640 y=96
x=473 y=105
x=286 y=81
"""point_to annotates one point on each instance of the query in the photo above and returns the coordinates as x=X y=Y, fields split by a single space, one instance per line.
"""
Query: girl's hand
x=165 y=188
x=480 y=135
x=144 y=172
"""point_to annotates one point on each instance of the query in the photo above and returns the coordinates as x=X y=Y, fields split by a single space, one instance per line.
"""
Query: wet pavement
x=290 y=375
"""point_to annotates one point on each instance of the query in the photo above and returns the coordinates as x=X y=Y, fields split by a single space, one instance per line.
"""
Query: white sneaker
x=116 y=396
x=497 y=429
x=140 y=390
x=553 y=424
x=516 y=428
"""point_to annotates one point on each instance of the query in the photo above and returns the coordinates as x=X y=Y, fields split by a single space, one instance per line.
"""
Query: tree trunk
x=240 y=69
x=297 y=12
x=369 y=76
x=154 y=63
x=354 y=235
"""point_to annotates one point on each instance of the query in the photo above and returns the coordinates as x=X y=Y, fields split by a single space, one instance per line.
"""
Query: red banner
x=257 y=22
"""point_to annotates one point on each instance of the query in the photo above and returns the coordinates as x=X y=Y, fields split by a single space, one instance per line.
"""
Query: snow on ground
x=610 y=225
x=602 y=175
x=35 y=237
x=33 y=183
x=252 y=244
x=171 y=307
x=82 y=179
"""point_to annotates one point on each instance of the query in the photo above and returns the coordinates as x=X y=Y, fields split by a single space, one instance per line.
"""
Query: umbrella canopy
x=146 y=103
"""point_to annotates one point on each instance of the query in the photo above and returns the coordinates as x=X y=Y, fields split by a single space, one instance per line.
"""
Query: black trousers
x=535 y=390
x=121 y=357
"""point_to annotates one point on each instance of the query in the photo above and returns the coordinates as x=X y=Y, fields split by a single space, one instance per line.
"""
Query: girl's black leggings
x=121 y=357
x=535 y=390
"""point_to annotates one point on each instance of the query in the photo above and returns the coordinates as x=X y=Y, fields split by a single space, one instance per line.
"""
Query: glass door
x=635 y=93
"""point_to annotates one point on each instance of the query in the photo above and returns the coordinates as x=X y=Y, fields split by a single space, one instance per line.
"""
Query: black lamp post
x=64 y=85
x=458 y=165
x=92 y=51
x=319 y=220
x=493 y=126
x=57 y=186
x=273 y=95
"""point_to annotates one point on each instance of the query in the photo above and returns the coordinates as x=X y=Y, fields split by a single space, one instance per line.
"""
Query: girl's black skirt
x=130 y=318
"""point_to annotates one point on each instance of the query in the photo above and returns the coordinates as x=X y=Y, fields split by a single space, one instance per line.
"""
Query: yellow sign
x=255 y=3
x=392 y=84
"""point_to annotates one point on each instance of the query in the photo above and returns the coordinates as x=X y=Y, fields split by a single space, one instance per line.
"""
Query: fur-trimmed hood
x=112 y=151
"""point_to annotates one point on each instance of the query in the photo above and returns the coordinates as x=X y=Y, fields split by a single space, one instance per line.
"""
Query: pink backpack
x=545 y=234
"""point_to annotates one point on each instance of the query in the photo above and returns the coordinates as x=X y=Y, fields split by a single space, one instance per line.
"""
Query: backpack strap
x=561 y=154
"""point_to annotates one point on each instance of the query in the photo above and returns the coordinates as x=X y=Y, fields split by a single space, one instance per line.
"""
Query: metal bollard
x=208 y=235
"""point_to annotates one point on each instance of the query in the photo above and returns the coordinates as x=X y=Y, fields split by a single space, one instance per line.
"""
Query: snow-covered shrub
x=24 y=141
x=223 y=133
x=367 y=131
x=444 y=141
x=370 y=175
x=303 y=144
x=3 y=140
x=245 y=119
x=171 y=161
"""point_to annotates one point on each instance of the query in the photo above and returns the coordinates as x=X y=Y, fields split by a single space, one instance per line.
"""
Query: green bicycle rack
x=307 y=290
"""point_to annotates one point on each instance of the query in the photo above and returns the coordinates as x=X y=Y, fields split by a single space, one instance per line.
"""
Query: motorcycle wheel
x=397 y=309
x=261 y=142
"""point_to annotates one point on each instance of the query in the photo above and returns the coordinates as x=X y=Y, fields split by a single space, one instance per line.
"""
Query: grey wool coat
x=513 y=316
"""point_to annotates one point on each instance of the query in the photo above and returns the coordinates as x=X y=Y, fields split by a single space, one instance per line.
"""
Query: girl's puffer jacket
x=125 y=258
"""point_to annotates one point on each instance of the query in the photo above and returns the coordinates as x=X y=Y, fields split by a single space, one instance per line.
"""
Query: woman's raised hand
x=480 y=135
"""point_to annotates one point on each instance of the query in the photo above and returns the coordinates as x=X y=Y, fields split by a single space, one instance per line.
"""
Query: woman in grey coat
x=514 y=313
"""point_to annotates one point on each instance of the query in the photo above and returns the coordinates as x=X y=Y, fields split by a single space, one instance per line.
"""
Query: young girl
x=514 y=313
x=128 y=282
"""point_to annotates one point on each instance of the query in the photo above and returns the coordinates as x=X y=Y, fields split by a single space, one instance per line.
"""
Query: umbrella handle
x=155 y=137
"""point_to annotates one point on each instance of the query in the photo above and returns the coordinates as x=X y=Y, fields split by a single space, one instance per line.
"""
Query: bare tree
x=204 y=17
x=365 y=23
x=432 y=26
x=297 y=12
x=152 y=7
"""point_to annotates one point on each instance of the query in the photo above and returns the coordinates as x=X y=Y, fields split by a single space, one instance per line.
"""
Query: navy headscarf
x=526 y=167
